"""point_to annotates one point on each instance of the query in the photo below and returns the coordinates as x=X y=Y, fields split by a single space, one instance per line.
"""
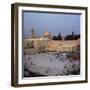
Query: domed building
x=46 y=35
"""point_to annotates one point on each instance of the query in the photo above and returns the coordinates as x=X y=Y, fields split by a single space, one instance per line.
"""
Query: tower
x=33 y=35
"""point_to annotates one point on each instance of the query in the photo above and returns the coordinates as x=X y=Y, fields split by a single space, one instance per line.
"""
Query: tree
x=59 y=37
x=72 y=36
x=72 y=33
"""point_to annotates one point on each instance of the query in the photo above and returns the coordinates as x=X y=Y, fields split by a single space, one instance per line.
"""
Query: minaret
x=33 y=35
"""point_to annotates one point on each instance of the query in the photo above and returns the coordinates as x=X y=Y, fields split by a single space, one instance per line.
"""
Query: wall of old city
x=45 y=44
x=62 y=46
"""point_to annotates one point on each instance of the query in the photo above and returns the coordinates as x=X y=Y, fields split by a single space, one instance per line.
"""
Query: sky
x=50 y=22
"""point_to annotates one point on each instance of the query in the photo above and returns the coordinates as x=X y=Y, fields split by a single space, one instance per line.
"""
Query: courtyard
x=50 y=64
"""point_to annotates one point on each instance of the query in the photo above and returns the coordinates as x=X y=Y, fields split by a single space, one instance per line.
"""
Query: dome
x=46 y=34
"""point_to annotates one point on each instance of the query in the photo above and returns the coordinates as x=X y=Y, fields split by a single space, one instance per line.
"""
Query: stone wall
x=62 y=46
x=45 y=44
